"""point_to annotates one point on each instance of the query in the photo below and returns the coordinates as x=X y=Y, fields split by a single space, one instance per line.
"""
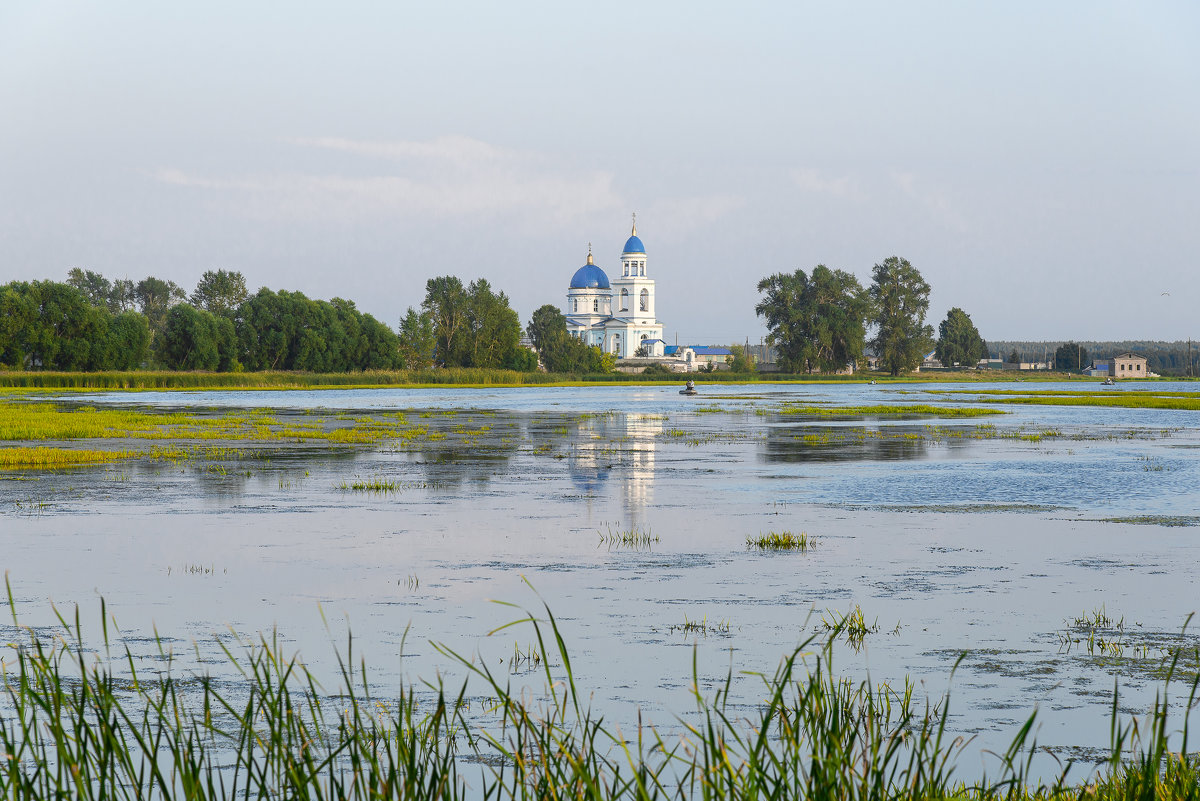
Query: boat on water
x=689 y=389
x=1108 y=382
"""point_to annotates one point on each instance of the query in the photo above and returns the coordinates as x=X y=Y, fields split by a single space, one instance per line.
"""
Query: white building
x=616 y=316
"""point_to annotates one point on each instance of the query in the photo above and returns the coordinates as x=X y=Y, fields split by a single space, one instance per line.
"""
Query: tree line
x=818 y=321
x=90 y=323
x=1180 y=358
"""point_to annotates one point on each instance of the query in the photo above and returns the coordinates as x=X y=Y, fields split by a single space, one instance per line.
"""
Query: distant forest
x=1164 y=358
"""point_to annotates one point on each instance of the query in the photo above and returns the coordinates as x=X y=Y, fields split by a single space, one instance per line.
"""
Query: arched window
x=624 y=300
x=644 y=304
x=596 y=305
x=575 y=304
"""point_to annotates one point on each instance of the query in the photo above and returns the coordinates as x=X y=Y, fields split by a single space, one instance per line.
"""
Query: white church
x=631 y=324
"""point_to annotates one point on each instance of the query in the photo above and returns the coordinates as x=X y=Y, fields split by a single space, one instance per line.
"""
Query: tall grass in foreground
x=72 y=727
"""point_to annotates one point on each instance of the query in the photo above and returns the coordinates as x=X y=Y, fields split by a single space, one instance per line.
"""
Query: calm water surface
x=983 y=536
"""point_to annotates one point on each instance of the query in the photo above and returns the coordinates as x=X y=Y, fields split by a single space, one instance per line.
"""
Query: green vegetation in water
x=702 y=627
x=43 y=458
x=781 y=541
x=1132 y=651
x=1155 y=520
x=634 y=538
x=375 y=484
x=885 y=411
x=851 y=624
x=86 y=724
x=1125 y=399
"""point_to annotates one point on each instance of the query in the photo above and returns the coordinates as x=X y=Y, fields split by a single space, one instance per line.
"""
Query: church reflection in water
x=616 y=449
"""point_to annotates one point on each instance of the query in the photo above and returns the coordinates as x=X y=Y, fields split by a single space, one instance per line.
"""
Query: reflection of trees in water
x=813 y=443
x=466 y=447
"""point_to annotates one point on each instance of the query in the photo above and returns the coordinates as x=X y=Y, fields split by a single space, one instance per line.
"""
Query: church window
x=624 y=300
x=644 y=304
x=595 y=305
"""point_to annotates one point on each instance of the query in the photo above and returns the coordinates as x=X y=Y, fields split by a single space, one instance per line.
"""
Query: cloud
x=448 y=177
x=931 y=198
x=462 y=151
x=678 y=216
x=845 y=187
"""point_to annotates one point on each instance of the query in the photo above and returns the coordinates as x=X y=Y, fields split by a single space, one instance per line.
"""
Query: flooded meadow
x=1020 y=550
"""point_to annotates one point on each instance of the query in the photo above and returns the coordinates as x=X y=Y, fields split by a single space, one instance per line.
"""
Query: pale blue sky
x=1039 y=163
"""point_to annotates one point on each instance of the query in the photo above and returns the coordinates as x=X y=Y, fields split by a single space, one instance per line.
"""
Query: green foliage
x=900 y=300
x=559 y=351
x=129 y=341
x=220 y=292
x=446 y=304
x=1070 y=356
x=155 y=298
x=473 y=326
x=195 y=339
x=958 y=341
x=522 y=360
x=1167 y=358
x=493 y=328
x=96 y=287
x=417 y=339
x=88 y=722
x=288 y=331
x=815 y=322
x=657 y=369
x=740 y=361
x=45 y=325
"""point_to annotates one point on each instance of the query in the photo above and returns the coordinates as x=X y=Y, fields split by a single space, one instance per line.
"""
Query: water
x=955 y=536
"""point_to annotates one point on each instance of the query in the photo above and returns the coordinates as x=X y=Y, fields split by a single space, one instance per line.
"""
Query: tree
x=522 y=359
x=128 y=340
x=190 y=339
x=96 y=287
x=958 y=341
x=900 y=299
x=220 y=292
x=18 y=316
x=1070 y=356
x=545 y=327
x=446 y=304
x=740 y=360
x=814 y=322
x=493 y=328
x=559 y=351
x=155 y=297
x=1014 y=358
x=417 y=340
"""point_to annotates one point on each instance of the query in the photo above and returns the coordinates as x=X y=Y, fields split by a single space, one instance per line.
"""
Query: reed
x=782 y=541
x=634 y=538
x=85 y=723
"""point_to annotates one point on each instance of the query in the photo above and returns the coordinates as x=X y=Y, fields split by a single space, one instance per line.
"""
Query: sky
x=1039 y=163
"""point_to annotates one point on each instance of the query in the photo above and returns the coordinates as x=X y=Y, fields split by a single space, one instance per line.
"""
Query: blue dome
x=634 y=245
x=589 y=276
